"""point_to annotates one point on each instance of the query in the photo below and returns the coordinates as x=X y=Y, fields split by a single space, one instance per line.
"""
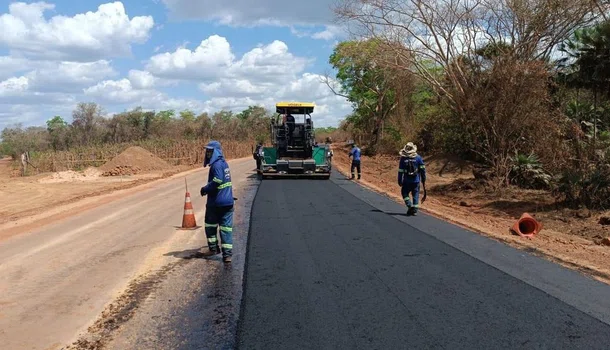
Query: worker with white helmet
x=411 y=170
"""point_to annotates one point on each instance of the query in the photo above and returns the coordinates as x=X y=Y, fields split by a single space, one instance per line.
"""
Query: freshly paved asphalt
x=333 y=266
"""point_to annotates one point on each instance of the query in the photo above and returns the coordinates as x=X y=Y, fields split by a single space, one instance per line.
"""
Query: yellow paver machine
x=294 y=151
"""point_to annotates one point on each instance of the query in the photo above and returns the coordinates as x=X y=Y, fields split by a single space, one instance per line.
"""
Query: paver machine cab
x=294 y=151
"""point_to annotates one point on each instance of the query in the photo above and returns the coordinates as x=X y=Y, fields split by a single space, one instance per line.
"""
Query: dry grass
x=186 y=152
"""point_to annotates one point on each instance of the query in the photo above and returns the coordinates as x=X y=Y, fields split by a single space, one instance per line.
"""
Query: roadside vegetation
x=519 y=88
x=91 y=139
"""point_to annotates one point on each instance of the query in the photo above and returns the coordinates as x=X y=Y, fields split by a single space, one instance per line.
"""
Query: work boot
x=409 y=211
x=227 y=259
x=414 y=212
x=211 y=252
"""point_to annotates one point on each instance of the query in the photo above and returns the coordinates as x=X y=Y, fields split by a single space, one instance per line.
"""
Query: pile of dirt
x=132 y=161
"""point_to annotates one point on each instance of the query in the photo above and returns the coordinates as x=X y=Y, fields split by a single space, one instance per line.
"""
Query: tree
x=443 y=32
x=58 y=129
x=366 y=81
x=252 y=112
x=187 y=115
x=587 y=64
x=85 y=118
x=491 y=55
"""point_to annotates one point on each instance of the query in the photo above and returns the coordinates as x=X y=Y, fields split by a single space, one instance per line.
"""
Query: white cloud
x=9 y=65
x=262 y=76
x=281 y=13
x=247 y=12
x=141 y=79
x=119 y=92
x=213 y=59
x=124 y=92
x=68 y=77
x=308 y=87
x=108 y=32
x=210 y=57
x=330 y=33
x=18 y=90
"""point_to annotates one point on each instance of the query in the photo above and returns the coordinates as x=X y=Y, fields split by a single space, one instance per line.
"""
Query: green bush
x=527 y=172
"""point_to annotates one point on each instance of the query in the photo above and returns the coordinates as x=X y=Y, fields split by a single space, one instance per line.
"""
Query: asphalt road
x=55 y=281
x=333 y=266
x=329 y=265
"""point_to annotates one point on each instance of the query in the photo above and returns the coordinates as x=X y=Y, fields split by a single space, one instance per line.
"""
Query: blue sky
x=164 y=54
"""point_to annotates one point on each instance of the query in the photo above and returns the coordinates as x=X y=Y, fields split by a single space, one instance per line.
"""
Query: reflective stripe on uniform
x=422 y=166
x=227 y=246
x=217 y=180
x=211 y=225
x=225 y=185
x=401 y=170
x=212 y=239
x=406 y=198
x=226 y=228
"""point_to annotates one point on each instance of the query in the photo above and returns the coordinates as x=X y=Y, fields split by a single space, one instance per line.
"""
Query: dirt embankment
x=574 y=238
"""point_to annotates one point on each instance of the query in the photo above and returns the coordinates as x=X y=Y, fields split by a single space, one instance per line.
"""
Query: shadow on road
x=380 y=211
x=191 y=254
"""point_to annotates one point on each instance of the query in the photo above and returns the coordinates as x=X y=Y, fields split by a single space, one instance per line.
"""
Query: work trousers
x=411 y=188
x=355 y=165
x=219 y=217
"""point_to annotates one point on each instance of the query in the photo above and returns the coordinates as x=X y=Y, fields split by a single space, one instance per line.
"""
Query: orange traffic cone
x=188 y=220
x=526 y=226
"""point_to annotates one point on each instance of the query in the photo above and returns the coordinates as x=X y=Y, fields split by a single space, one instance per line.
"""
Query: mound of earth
x=132 y=161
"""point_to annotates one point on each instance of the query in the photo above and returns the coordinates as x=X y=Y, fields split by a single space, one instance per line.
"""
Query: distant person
x=219 y=206
x=411 y=170
x=25 y=160
x=257 y=155
x=290 y=122
x=354 y=153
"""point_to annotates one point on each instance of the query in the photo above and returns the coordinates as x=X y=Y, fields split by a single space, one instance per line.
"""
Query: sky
x=203 y=55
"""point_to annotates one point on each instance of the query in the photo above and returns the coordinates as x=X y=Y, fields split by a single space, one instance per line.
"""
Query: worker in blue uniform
x=219 y=206
x=411 y=170
x=354 y=153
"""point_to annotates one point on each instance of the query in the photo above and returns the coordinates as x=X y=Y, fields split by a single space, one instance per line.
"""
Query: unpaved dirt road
x=56 y=280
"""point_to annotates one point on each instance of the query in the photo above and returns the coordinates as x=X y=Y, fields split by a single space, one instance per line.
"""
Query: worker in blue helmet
x=355 y=153
x=219 y=206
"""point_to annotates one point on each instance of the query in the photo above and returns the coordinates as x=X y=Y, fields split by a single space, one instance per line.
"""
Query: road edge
x=556 y=280
x=242 y=306
x=592 y=272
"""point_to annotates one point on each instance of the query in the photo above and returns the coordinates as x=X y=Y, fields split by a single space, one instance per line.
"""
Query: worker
x=411 y=170
x=290 y=122
x=257 y=155
x=219 y=206
x=355 y=153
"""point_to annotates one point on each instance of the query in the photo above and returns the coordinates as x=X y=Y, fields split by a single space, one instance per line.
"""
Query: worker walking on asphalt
x=411 y=170
x=219 y=206
x=355 y=153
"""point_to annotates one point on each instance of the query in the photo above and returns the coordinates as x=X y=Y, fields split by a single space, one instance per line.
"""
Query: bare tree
x=485 y=57
x=427 y=35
